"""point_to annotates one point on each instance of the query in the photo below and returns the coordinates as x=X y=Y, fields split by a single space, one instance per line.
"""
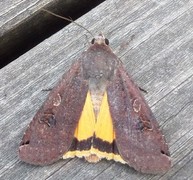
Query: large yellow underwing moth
x=96 y=111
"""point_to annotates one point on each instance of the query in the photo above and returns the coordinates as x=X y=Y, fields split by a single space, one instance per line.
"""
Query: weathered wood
x=160 y=59
x=23 y=24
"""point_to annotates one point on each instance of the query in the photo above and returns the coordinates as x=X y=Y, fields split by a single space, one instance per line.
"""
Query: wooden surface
x=159 y=58
x=23 y=25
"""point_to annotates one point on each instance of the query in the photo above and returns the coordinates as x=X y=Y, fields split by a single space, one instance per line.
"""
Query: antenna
x=67 y=19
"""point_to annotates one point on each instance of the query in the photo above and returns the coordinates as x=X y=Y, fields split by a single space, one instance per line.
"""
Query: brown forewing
x=138 y=137
x=51 y=131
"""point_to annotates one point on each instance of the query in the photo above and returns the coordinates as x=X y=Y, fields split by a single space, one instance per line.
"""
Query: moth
x=96 y=111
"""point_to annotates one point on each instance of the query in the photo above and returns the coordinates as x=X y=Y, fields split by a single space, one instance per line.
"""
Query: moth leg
x=48 y=89
x=143 y=90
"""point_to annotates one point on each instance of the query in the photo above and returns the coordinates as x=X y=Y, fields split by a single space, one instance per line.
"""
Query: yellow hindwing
x=102 y=127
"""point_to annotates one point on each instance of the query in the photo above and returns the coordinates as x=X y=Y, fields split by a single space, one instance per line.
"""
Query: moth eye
x=93 y=40
x=106 y=41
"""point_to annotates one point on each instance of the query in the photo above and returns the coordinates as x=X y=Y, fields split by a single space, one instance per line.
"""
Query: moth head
x=100 y=39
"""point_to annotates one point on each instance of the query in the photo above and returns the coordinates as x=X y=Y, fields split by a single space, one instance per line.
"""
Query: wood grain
x=159 y=58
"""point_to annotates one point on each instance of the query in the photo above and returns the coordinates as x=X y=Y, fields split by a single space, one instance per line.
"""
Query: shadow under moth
x=96 y=111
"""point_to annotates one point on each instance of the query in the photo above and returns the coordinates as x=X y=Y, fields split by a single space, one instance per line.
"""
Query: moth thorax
x=100 y=39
